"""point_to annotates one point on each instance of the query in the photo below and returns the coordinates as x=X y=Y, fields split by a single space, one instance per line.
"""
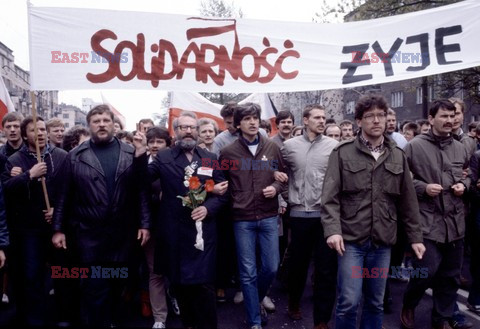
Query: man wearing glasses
x=189 y=266
x=367 y=187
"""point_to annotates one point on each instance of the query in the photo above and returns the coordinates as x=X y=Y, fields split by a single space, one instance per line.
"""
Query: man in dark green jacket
x=367 y=187
x=437 y=162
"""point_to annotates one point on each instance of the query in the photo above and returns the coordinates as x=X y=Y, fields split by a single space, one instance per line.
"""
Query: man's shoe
x=474 y=308
x=459 y=321
x=256 y=326
x=443 y=325
x=221 y=296
x=5 y=299
x=464 y=283
x=268 y=304
x=238 y=298
x=263 y=315
x=321 y=326
x=159 y=324
x=174 y=303
x=295 y=314
x=407 y=317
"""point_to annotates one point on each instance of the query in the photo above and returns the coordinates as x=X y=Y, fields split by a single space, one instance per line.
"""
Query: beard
x=187 y=145
x=102 y=140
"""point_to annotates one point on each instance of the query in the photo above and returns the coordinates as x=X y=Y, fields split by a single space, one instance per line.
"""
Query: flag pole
x=37 y=149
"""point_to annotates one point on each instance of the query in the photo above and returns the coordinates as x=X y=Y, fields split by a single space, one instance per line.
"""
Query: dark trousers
x=30 y=252
x=198 y=305
x=443 y=262
x=307 y=238
x=474 y=295
x=226 y=254
x=100 y=299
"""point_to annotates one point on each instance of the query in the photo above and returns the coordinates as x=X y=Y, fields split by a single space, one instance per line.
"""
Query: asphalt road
x=231 y=316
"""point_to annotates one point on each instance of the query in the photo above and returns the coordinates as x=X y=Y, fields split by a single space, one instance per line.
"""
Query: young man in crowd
x=31 y=228
x=347 y=130
x=254 y=192
x=55 y=130
x=306 y=159
x=392 y=129
x=284 y=121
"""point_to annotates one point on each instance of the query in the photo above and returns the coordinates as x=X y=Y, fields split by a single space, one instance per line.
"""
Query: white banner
x=102 y=49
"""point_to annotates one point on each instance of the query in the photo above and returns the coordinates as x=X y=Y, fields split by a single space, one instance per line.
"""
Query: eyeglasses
x=186 y=127
x=371 y=116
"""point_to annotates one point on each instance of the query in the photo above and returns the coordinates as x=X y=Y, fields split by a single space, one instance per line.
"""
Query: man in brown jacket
x=367 y=188
x=252 y=161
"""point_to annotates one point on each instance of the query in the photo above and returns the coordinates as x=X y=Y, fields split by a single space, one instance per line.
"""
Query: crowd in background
x=274 y=202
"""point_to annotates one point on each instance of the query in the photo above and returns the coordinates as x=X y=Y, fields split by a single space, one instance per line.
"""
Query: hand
x=335 y=241
x=199 y=213
x=2 y=258
x=59 y=240
x=16 y=171
x=419 y=249
x=280 y=176
x=220 y=188
x=281 y=210
x=433 y=189
x=458 y=189
x=48 y=215
x=38 y=170
x=143 y=235
x=140 y=143
x=269 y=192
x=465 y=173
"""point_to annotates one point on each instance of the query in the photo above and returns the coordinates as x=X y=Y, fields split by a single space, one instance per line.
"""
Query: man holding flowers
x=186 y=241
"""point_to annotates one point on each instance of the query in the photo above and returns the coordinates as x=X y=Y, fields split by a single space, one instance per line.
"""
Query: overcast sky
x=14 y=34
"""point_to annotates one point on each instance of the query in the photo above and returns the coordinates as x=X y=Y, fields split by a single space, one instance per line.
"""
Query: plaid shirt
x=380 y=148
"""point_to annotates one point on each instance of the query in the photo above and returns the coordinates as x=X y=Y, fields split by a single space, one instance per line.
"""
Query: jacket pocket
x=457 y=171
x=355 y=176
x=392 y=182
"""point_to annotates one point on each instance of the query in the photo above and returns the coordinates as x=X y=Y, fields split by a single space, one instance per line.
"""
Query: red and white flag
x=6 y=104
x=203 y=108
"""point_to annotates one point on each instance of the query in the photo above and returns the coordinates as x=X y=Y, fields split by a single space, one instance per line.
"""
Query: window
x=419 y=95
x=350 y=107
x=66 y=125
x=431 y=93
x=65 y=115
x=397 y=99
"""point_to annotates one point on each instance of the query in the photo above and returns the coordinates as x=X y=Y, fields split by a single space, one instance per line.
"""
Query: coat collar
x=86 y=155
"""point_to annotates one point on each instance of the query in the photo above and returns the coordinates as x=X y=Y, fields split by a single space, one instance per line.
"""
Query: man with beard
x=190 y=267
x=284 y=122
x=31 y=228
x=103 y=209
x=437 y=162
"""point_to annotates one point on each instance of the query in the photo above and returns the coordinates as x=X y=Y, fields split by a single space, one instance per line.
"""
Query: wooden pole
x=37 y=148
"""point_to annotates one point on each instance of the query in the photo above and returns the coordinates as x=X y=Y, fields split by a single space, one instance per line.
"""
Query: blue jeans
x=248 y=235
x=353 y=279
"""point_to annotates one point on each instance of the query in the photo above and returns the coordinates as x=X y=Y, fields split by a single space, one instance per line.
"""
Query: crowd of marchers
x=96 y=215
